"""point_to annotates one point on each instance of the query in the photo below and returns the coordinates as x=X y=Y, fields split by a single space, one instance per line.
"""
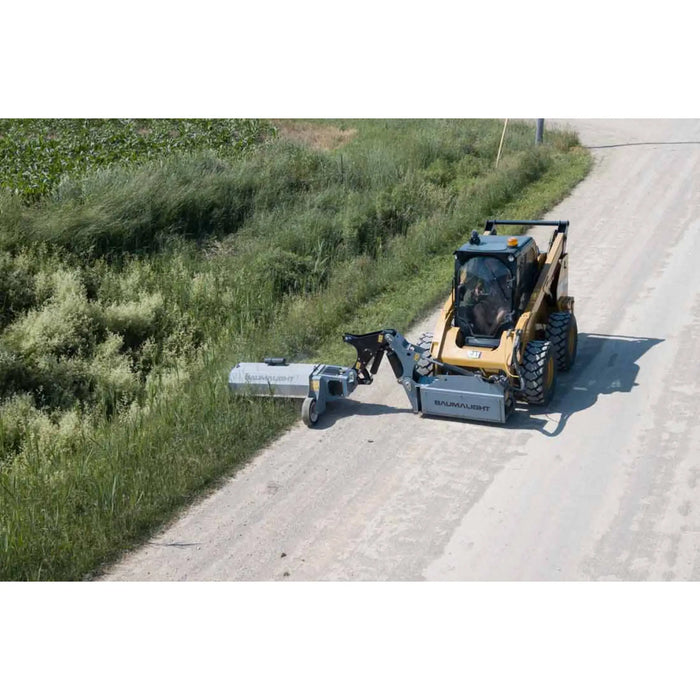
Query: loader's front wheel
x=308 y=412
x=539 y=372
x=424 y=367
x=562 y=333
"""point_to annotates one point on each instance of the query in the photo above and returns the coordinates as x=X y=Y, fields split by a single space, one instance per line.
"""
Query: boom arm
x=371 y=348
x=555 y=254
x=403 y=358
x=402 y=355
x=549 y=269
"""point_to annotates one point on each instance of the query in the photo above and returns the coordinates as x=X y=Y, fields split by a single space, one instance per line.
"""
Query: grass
x=134 y=290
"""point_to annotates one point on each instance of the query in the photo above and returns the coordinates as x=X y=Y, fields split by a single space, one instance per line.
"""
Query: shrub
x=14 y=374
x=17 y=292
x=64 y=326
x=18 y=418
x=26 y=428
x=286 y=272
x=115 y=386
x=135 y=321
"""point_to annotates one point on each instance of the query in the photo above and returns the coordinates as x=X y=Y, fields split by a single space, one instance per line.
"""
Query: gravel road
x=602 y=485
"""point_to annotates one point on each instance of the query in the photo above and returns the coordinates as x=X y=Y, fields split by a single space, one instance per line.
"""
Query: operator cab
x=494 y=278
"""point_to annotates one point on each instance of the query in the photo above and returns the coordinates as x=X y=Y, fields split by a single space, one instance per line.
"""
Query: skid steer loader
x=504 y=332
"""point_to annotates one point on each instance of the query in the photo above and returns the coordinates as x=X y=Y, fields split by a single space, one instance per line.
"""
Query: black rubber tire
x=562 y=333
x=308 y=412
x=539 y=372
x=424 y=367
x=425 y=340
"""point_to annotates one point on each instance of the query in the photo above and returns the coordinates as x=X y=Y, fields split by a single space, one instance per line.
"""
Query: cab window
x=484 y=296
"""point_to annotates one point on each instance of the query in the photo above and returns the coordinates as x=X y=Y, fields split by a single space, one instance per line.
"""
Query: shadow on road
x=606 y=364
x=349 y=407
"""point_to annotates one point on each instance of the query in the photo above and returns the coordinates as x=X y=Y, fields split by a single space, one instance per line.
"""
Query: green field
x=139 y=260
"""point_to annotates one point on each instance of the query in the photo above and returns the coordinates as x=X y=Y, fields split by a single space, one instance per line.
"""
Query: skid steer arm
x=403 y=357
x=371 y=348
x=370 y=351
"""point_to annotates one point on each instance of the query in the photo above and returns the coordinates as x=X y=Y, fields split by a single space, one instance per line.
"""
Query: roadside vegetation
x=131 y=282
x=36 y=154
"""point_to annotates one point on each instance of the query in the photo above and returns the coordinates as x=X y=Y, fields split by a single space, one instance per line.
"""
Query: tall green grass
x=133 y=291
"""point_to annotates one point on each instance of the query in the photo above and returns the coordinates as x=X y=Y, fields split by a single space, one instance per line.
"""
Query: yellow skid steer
x=504 y=332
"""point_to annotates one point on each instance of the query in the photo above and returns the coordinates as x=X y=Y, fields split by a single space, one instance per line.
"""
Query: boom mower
x=504 y=332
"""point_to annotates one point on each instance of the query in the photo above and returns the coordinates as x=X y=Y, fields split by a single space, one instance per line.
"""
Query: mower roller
x=504 y=332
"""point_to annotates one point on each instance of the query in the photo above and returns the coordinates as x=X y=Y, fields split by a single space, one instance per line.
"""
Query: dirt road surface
x=602 y=485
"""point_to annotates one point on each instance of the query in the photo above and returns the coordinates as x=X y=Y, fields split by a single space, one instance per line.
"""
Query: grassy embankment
x=128 y=293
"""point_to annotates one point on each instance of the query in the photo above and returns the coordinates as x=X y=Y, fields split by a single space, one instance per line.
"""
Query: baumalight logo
x=466 y=406
x=267 y=378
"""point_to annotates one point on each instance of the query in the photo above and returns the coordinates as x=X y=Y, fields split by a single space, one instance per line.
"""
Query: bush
x=285 y=273
x=14 y=376
x=18 y=419
x=24 y=428
x=114 y=385
x=65 y=326
x=17 y=292
x=135 y=321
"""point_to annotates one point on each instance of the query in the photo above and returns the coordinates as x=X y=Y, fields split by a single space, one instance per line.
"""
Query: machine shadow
x=606 y=364
x=338 y=410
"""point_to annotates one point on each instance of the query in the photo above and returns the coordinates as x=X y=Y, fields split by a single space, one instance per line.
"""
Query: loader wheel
x=424 y=367
x=425 y=340
x=308 y=412
x=562 y=333
x=539 y=372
